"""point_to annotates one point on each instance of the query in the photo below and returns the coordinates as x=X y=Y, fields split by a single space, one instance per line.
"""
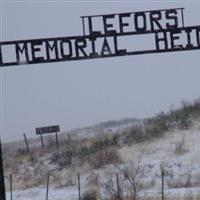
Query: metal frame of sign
x=74 y=47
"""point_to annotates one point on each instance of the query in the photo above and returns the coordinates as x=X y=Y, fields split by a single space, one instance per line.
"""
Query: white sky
x=81 y=93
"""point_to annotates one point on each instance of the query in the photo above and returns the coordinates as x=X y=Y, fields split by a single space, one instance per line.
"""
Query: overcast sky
x=80 y=93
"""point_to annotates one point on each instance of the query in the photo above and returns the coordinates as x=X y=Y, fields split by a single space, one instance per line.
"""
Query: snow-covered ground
x=40 y=194
x=182 y=171
x=72 y=194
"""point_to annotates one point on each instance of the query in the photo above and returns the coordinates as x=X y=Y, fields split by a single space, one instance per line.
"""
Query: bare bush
x=180 y=147
x=109 y=187
x=104 y=157
x=134 y=134
x=132 y=174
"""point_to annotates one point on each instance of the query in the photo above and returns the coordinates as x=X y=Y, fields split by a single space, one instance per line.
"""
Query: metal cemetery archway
x=165 y=35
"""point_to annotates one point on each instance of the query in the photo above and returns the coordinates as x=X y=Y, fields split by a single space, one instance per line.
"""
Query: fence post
x=118 y=187
x=57 y=142
x=47 y=191
x=26 y=142
x=11 y=197
x=162 y=174
x=79 y=187
x=162 y=170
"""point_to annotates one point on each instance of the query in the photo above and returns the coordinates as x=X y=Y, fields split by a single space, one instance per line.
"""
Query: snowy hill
x=137 y=151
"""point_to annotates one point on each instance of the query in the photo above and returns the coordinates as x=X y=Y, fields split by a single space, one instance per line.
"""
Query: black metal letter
x=121 y=23
x=105 y=48
x=155 y=16
x=197 y=36
x=53 y=47
x=35 y=49
x=136 y=20
x=1 y=59
x=163 y=39
x=80 y=44
x=19 y=51
x=106 y=25
x=172 y=15
x=63 y=55
x=94 y=33
x=118 y=51
x=188 y=31
x=94 y=53
x=173 y=37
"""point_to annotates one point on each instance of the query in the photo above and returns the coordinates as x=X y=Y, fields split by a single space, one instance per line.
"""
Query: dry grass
x=63 y=178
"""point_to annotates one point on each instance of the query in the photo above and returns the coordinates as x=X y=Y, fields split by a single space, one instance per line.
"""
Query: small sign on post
x=48 y=129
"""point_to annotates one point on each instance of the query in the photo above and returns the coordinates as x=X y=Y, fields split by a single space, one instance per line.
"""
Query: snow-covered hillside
x=137 y=152
x=181 y=168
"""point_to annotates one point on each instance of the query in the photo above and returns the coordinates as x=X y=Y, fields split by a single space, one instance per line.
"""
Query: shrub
x=22 y=151
x=63 y=159
x=90 y=195
x=134 y=134
x=83 y=152
x=156 y=126
x=104 y=157
x=32 y=158
x=102 y=143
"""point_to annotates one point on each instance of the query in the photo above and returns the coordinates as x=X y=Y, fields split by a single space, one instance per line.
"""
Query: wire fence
x=82 y=194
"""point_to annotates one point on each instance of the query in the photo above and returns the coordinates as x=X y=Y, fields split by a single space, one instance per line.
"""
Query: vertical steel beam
x=2 y=183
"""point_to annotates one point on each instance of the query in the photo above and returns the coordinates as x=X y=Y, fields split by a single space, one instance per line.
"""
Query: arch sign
x=109 y=35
